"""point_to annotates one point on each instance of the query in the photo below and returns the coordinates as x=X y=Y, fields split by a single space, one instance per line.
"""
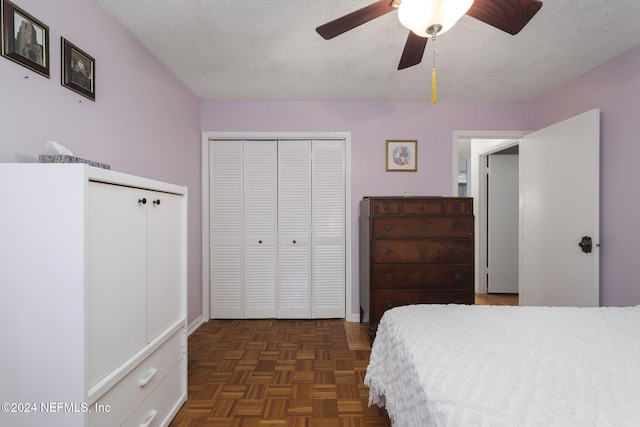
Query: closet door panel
x=328 y=227
x=226 y=229
x=260 y=227
x=294 y=228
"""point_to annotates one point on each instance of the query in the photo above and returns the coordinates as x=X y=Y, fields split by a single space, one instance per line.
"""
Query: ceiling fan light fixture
x=419 y=15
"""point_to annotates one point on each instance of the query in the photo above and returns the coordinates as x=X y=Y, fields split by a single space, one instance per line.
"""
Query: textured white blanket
x=457 y=365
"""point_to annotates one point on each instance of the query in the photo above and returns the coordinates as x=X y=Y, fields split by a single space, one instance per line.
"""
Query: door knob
x=586 y=244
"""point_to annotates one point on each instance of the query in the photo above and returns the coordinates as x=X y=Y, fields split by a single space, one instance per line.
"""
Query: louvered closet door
x=260 y=220
x=328 y=228
x=226 y=229
x=294 y=229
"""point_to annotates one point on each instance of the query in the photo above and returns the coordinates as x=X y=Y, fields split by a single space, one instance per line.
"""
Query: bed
x=465 y=365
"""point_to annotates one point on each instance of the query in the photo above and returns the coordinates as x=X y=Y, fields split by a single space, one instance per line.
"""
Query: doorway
x=501 y=203
x=559 y=231
x=472 y=153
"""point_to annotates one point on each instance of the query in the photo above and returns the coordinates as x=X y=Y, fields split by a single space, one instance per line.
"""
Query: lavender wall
x=144 y=121
x=370 y=124
x=614 y=88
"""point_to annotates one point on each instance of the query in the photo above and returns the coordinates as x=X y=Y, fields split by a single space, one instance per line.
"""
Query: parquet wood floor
x=497 y=299
x=292 y=373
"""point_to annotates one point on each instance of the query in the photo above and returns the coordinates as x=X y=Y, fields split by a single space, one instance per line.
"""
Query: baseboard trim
x=191 y=327
x=354 y=317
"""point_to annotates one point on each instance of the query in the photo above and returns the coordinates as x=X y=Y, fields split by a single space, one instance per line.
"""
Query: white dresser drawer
x=161 y=406
x=116 y=405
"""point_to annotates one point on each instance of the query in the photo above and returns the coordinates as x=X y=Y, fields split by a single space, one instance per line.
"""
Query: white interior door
x=226 y=229
x=559 y=190
x=260 y=225
x=294 y=229
x=502 y=223
x=328 y=229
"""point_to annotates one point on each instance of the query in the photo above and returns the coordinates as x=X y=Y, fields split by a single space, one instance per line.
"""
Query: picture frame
x=402 y=155
x=78 y=70
x=25 y=40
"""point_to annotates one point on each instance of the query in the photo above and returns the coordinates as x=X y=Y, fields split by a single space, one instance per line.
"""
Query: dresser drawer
x=385 y=300
x=422 y=276
x=422 y=206
x=387 y=207
x=133 y=389
x=448 y=251
x=458 y=207
x=161 y=404
x=442 y=226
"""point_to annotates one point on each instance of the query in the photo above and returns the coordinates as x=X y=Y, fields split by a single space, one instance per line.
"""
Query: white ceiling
x=269 y=50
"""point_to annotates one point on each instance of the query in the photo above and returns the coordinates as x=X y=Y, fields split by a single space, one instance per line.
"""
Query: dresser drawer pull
x=422 y=208
x=388 y=227
x=389 y=303
x=388 y=251
x=388 y=276
x=458 y=276
x=458 y=227
x=144 y=381
x=152 y=416
x=457 y=251
x=385 y=208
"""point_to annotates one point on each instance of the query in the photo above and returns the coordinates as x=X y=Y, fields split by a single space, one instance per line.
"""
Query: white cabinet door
x=328 y=228
x=260 y=217
x=294 y=229
x=165 y=299
x=117 y=276
x=226 y=229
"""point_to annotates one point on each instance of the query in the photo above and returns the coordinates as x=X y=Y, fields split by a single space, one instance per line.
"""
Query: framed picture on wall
x=78 y=70
x=25 y=40
x=402 y=155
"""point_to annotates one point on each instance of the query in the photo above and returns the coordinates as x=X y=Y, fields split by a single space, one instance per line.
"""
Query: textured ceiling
x=269 y=50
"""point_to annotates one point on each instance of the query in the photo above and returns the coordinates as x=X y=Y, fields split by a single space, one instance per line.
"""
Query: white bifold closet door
x=294 y=229
x=328 y=229
x=277 y=222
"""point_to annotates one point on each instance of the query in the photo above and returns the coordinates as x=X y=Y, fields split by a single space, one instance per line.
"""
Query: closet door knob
x=156 y=202
x=142 y=201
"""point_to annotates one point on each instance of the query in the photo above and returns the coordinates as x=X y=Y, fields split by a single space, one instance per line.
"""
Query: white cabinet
x=93 y=278
x=277 y=228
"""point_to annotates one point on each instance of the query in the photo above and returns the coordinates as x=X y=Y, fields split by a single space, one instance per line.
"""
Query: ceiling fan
x=428 y=18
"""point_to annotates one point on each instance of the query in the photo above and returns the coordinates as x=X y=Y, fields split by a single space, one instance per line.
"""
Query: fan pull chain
x=434 y=95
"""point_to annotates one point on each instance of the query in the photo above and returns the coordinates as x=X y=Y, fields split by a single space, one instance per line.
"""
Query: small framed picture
x=25 y=40
x=78 y=70
x=402 y=155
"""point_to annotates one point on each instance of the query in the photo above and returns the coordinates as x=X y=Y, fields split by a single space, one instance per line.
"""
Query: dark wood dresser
x=416 y=250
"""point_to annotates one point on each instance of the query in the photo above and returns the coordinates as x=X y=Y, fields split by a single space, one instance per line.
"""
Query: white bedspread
x=457 y=365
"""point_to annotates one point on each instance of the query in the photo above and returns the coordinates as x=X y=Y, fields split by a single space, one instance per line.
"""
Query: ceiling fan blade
x=354 y=19
x=507 y=15
x=413 y=51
